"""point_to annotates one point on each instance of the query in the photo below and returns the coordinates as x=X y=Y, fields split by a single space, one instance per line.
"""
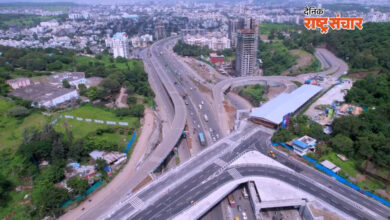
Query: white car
x=244 y=216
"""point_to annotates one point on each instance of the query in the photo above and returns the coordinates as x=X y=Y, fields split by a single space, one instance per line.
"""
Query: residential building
x=213 y=41
x=18 y=82
x=141 y=41
x=234 y=25
x=304 y=144
x=74 y=79
x=247 y=49
x=43 y=95
x=120 y=45
x=159 y=31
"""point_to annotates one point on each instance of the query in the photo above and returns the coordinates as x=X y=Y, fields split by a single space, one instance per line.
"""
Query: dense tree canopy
x=190 y=50
x=365 y=49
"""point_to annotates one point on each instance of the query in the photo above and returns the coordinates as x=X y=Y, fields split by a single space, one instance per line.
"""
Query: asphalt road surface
x=198 y=183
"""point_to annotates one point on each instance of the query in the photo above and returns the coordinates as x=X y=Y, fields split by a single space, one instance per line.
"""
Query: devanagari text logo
x=335 y=23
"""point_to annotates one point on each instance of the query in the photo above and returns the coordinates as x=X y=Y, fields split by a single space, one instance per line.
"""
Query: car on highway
x=206 y=118
x=186 y=102
x=239 y=208
x=237 y=218
x=202 y=102
x=244 y=193
x=244 y=216
x=200 y=106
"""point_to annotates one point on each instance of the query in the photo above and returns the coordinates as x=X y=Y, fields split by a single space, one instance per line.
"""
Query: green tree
x=79 y=186
x=282 y=135
x=5 y=189
x=92 y=93
x=65 y=83
x=131 y=100
x=58 y=151
x=82 y=89
x=56 y=65
x=100 y=165
x=121 y=112
x=77 y=150
x=137 y=110
x=19 y=112
x=342 y=144
x=35 y=150
x=110 y=84
x=48 y=198
x=54 y=173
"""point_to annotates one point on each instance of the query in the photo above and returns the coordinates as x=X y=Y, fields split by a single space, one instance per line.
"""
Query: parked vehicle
x=231 y=200
x=239 y=208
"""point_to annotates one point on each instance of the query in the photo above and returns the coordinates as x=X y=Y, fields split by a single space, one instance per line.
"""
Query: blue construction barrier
x=337 y=177
x=130 y=142
x=79 y=197
x=345 y=181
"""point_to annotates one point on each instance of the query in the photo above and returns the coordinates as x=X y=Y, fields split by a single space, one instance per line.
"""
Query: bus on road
x=202 y=139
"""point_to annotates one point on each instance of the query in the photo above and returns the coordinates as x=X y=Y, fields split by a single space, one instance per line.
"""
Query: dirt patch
x=201 y=69
x=327 y=214
x=363 y=74
x=264 y=38
x=360 y=177
x=274 y=91
x=230 y=112
x=304 y=60
x=201 y=87
x=382 y=193
x=142 y=184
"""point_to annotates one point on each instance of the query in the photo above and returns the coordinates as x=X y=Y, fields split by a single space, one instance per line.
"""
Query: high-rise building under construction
x=247 y=38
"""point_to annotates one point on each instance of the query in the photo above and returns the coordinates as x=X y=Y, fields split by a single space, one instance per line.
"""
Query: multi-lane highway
x=186 y=82
x=206 y=172
x=196 y=178
x=164 y=197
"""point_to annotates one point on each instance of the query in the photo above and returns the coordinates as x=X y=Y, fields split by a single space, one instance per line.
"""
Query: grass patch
x=348 y=167
x=253 y=93
x=81 y=129
x=371 y=184
x=7 y=20
x=11 y=128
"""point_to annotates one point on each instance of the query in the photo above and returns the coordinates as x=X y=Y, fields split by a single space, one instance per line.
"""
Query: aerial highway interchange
x=174 y=191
